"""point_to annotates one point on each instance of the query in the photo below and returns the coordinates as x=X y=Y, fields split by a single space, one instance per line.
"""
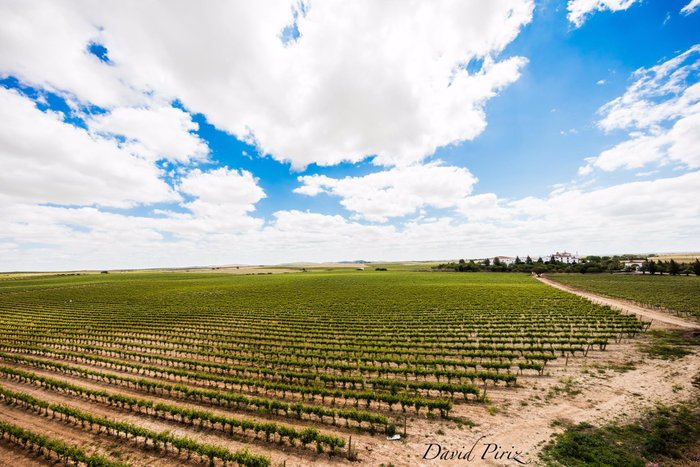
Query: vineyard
x=263 y=370
x=678 y=294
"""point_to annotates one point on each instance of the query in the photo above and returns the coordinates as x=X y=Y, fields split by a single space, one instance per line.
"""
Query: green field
x=290 y=364
x=677 y=293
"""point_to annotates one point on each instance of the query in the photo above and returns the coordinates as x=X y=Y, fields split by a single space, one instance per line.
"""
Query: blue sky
x=313 y=132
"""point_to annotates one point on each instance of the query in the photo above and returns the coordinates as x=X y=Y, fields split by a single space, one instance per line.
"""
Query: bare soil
x=660 y=320
x=91 y=442
x=278 y=454
x=12 y=456
x=613 y=385
x=617 y=384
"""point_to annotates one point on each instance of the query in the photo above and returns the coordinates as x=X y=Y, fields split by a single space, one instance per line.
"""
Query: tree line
x=587 y=264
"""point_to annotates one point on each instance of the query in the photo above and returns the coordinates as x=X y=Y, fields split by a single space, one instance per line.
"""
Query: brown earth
x=660 y=320
x=91 y=442
x=617 y=384
x=11 y=456
x=612 y=385
x=278 y=454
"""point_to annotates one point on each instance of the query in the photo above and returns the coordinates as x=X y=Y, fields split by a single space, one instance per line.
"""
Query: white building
x=564 y=257
x=507 y=260
x=635 y=263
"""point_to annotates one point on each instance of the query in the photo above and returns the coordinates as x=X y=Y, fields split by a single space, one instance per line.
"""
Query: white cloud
x=45 y=160
x=395 y=192
x=637 y=216
x=232 y=190
x=580 y=10
x=690 y=7
x=160 y=133
x=364 y=78
x=484 y=207
x=600 y=82
x=659 y=93
x=646 y=174
x=45 y=45
x=662 y=111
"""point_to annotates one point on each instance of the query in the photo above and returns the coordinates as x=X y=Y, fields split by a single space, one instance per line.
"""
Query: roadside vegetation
x=665 y=435
x=678 y=295
x=670 y=345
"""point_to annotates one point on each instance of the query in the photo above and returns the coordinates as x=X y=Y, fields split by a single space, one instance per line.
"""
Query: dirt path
x=12 y=456
x=613 y=385
x=278 y=453
x=327 y=428
x=618 y=384
x=91 y=442
x=659 y=319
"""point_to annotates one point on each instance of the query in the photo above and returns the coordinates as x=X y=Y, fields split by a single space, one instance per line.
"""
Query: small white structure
x=565 y=257
x=507 y=260
x=633 y=264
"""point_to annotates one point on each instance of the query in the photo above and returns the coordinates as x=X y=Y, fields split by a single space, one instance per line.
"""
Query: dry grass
x=678 y=257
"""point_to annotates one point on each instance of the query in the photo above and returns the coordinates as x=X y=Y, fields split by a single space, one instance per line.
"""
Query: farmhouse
x=565 y=257
x=507 y=260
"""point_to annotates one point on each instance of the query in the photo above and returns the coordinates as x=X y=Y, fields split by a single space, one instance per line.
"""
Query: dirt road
x=660 y=320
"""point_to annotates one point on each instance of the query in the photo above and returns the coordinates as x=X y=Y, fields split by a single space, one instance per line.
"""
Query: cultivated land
x=672 y=293
x=178 y=368
x=678 y=257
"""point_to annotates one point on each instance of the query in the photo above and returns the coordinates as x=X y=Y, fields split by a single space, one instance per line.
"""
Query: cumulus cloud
x=347 y=80
x=395 y=192
x=45 y=160
x=571 y=218
x=580 y=10
x=661 y=110
x=224 y=189
x=484 y=207
x=160 y=133
x=397 y=91
x=46 y=45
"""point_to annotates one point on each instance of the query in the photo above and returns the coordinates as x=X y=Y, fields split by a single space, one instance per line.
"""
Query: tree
x=696 y=267
x=518 y=260
x=652 y=267
x=674 y=268
x=496 y=261
x=539 y=260
x=661 y=267
x=528 y=260
x=487 y=262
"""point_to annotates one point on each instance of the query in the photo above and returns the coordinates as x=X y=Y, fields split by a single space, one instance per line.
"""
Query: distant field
x=288 y=365
x=679 y=257
x=679 y=293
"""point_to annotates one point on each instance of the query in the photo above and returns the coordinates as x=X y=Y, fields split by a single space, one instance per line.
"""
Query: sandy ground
x=10 y=456
x=278 y=454
x=659 y=318
x=617 y=384
x=246 y=270
x=612 y=385
x=91 y=442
